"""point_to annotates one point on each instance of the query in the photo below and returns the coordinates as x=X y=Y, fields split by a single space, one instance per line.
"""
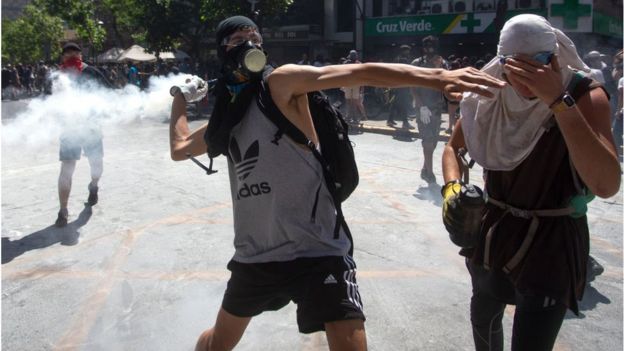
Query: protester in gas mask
x=429 y=104
x=287 y=246
x=545 y=145
x=78 y=136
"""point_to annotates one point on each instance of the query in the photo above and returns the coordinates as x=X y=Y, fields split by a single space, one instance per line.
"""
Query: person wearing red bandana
x=77 y=137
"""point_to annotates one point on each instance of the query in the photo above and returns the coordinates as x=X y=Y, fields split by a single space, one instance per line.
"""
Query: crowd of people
x=29 y=80
x=24 y=79
x=404 y=104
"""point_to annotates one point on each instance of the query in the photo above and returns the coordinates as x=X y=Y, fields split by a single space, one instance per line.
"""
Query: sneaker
x=61 y=220
x=593 y=269
x=427 y=176
x=406 y=125
x=391 y=123
x=93 y=195
x=432 y=178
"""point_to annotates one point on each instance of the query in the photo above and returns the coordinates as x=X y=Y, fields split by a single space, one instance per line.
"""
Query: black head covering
x=229 y=26
x=70 y=46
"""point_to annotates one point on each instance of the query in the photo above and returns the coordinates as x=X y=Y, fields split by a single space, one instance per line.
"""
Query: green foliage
x=158 y=25
x=31 y=37
x=79 y=15
x=164 y=23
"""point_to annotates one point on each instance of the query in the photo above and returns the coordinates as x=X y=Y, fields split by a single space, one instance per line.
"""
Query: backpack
x=336 y=156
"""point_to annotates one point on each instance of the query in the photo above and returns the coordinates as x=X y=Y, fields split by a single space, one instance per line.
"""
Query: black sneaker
x=391 y=123
x=593 y=269
x=427 y=176
x=61 y=220
x=406 y=125
x=432 y=178
x=93 y=195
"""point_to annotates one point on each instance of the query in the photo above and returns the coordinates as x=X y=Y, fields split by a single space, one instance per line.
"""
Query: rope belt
x=533 y=215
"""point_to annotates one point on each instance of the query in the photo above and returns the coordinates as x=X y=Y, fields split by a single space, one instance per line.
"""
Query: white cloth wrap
x=500 y=132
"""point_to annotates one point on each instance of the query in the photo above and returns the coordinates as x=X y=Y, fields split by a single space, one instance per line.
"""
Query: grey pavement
x=144 y=269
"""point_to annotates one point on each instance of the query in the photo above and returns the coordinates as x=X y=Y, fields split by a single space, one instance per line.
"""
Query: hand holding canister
x=193 y=89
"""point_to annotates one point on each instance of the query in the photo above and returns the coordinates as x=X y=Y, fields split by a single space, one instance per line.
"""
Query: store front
x=475 y=32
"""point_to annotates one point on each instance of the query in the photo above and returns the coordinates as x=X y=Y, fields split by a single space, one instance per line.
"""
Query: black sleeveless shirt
x=555 y=264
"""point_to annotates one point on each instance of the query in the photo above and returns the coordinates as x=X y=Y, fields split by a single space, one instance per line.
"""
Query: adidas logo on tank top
x=330 y=280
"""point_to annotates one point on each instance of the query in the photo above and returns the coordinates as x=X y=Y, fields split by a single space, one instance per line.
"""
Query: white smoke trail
x=86 y=108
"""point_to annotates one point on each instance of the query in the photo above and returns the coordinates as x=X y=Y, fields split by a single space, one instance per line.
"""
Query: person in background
x=78 y=136
x=400 y=97
x=304 y=59
x=430 y=104
x=319 y=61
x=355 y=111
x=593 y=59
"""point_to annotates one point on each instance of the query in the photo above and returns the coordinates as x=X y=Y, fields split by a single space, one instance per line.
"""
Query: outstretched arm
x=182 y=141
x=290 y=81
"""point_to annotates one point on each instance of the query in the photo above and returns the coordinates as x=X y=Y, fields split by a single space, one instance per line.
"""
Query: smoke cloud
x=86 y=108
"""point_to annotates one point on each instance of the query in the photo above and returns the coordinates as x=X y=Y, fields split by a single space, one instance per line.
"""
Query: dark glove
x=462 y=212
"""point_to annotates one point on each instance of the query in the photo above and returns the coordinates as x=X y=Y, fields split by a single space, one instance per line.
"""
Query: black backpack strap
x=284 y=126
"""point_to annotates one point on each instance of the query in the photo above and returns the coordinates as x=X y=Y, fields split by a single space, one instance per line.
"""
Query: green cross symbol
x=470 y=22
x=570 y=10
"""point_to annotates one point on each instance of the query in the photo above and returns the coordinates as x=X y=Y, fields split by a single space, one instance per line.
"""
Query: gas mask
x=246 y=58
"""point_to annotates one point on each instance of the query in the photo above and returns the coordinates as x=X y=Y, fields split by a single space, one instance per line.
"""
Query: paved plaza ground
x=144 y=269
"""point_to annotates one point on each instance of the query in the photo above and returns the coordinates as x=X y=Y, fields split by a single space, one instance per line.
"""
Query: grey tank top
x=282 y=207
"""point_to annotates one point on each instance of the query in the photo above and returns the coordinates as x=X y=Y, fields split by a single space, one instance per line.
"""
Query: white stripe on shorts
x=352 y=287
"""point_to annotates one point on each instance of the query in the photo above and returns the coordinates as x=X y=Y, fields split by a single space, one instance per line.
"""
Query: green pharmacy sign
x=459 y=23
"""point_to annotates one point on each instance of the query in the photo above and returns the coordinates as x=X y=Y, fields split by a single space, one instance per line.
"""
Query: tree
x=80 y=15
x=167 y=24
x=31 y=37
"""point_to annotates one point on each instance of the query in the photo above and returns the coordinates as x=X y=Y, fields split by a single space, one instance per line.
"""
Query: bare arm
x=587 y=133
x=182 y=141
x=585 y=127
x=289 y=81
x=451 y=164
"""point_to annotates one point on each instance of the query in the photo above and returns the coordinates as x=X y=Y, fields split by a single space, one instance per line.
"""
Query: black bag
x=337 y=158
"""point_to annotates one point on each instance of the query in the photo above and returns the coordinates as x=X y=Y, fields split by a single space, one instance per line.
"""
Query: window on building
x=377 y=8
x=403 y=7
x=344 y=15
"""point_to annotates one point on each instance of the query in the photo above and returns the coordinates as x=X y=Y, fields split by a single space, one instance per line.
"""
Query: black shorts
x=324 y=289
x=71 y=147
x=430 y=132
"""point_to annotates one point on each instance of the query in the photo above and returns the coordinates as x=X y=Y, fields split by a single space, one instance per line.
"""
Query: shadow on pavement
x=591 y=299
x=430 y=193
x=43 y=238
x=403 y=135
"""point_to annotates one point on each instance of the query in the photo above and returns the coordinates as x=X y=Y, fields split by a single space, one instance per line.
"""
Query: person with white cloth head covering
x=546 y=148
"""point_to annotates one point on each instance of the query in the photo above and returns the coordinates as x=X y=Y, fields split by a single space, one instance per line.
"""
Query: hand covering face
x=500 y=132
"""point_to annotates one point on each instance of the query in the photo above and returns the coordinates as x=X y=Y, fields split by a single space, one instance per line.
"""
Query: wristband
x=562 y=103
